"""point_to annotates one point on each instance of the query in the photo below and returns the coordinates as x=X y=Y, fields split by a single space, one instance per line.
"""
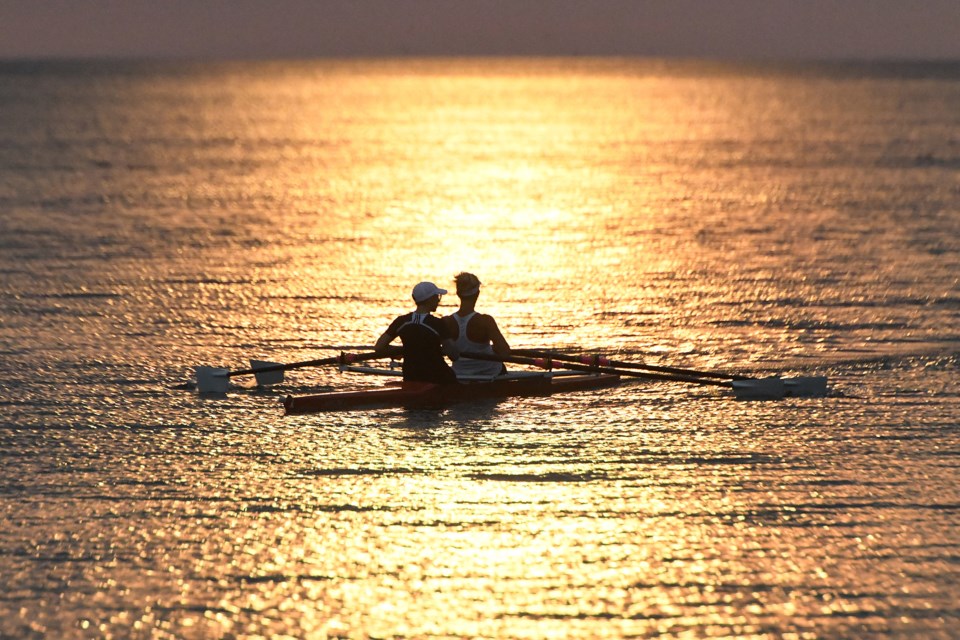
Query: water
x=802 y=220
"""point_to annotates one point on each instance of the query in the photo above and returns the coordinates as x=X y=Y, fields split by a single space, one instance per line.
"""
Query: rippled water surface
x=795 y=220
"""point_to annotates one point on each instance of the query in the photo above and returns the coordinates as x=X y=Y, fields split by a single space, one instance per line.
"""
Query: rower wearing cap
x=426 y=339
x=475 y=332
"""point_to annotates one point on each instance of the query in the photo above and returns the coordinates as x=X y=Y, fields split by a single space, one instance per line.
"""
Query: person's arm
x=447 y=329
x=448 y=336
x=451 y=324
x=499 y=343
x=449 y=348
x=384 y=341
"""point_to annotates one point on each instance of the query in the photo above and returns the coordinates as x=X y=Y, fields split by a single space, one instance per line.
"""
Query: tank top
x=468 y=366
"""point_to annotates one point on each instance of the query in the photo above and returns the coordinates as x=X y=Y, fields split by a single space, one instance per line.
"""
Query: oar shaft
x=603 y=361
x=286 y=367
x=547 y=363
x=345 y=358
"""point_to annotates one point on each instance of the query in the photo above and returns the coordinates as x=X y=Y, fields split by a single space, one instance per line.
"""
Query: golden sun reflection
x=160 y=216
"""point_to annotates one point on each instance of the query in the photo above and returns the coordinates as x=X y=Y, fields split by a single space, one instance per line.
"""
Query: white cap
x=426 y=290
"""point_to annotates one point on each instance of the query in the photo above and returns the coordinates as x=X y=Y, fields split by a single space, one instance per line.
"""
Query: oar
x=750 y=389
x=547 y=363
x=598 y=360
x=793 y=387
x=216 y=380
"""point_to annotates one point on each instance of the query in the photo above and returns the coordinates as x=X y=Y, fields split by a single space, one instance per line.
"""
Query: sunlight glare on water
x=769 y=220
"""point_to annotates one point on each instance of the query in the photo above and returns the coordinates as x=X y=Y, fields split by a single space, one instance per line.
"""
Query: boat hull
x=418 y=395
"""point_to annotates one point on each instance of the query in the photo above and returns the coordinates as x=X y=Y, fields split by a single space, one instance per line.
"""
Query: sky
x=267 y=29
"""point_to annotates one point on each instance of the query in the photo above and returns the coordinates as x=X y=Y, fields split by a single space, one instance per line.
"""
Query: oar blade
x=805 y=387
x=759 y=389
x=212 y=380
x=267 y=378
x=776 y=388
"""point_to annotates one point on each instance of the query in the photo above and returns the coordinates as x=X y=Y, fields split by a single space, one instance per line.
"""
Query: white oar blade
x=760 y=389
x=212 y=380
x=805 y=387
x=266 y=378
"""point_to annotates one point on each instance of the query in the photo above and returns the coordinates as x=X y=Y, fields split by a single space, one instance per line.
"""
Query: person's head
x=427 y=294
x=468 y=285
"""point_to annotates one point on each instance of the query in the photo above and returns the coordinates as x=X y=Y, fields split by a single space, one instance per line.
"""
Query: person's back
x=424 y=338
x=475 y=332
x=421 y=335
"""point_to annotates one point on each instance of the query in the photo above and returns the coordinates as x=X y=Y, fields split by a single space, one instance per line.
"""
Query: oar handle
x=547 y=363
x=599 y=360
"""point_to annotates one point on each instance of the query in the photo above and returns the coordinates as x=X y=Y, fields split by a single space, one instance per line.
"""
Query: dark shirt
x=422 y=335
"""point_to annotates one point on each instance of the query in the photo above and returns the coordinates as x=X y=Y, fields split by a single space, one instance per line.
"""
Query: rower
x=426 y=339
x=475 y=332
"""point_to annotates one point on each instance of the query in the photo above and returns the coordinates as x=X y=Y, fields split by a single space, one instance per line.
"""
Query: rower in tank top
x=475 y=332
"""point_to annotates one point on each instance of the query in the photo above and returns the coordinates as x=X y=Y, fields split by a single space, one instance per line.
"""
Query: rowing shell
x=416 y=395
